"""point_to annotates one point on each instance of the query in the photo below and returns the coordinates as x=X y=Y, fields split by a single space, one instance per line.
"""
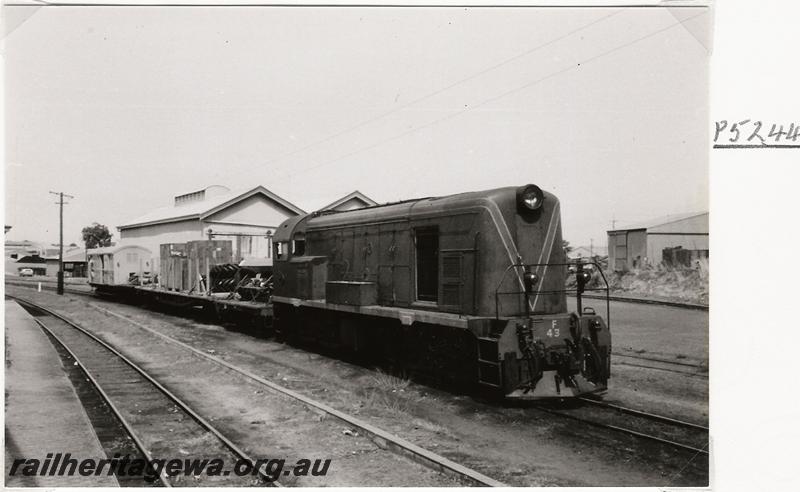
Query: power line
x=491 y=99
x=439 y=91
x=61 y=195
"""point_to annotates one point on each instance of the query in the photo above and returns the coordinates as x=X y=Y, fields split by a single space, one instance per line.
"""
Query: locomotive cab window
x=427 y=250
x=299 y=245
x=281 y=250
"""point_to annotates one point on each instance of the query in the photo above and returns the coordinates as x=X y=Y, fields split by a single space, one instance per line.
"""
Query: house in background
x=681 y=237
x=246 y=218
x=587 y=252
x=41 y=258
x=74 y=263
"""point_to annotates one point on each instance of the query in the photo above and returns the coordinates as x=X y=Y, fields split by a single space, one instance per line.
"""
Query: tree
x=565 y=245
x=96 y=236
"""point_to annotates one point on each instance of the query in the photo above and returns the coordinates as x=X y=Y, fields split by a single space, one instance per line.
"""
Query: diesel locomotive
x=468 y=289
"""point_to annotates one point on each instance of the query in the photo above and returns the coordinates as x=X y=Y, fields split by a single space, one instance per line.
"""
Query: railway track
x=47 y=286
x=146 y=409
x=641 y=300
x=664 y=430
x=687 y=436
x=673 y=366
x=382 y=438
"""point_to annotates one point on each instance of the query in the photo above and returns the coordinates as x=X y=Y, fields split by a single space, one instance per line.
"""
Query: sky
x=124 y=108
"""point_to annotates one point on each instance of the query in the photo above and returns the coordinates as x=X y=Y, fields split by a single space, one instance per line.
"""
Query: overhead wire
x=427 y=96
x=491 y=99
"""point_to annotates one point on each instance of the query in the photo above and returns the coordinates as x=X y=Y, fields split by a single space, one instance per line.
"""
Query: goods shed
x=673 y=239
x=245 y=218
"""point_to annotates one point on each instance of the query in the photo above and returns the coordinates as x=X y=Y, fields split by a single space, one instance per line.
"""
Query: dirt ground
x=517 y=445
x=663 y=333
x=263 y=424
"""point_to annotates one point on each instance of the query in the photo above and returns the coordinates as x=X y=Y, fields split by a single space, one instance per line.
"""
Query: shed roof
x=113 y=249
x=659 y=221
x=356 y=195
x=76 y=255
x=203 y=208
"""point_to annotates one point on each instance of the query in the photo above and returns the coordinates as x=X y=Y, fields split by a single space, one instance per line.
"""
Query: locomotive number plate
x=553 y=331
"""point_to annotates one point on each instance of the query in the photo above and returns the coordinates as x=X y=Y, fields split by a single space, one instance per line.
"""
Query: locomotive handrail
x=578 y=291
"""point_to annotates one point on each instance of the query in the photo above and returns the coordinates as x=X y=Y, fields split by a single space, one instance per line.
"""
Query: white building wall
x=258 y=210
x=351 y=204
x=248 y=241
x=252 y=217
x=153 y=236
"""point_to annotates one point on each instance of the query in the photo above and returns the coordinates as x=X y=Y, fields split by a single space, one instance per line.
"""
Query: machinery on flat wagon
x=468 y=288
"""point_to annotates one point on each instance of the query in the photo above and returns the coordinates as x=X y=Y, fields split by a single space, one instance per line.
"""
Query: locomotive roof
x=394 y=211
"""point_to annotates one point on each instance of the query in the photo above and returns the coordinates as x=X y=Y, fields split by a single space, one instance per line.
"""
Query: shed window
x=246 y=245
x=427 y=241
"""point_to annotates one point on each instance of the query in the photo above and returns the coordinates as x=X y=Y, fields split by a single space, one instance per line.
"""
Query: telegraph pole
x=60 y=203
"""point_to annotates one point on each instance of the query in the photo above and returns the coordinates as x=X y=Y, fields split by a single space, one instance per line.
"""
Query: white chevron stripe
x=548 y=244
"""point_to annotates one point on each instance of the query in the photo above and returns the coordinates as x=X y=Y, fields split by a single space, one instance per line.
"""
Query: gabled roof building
x=246 y=217
x=645 y=244
x=353 y=201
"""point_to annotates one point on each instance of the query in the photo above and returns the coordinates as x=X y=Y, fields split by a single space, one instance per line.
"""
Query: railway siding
x=479 y=435
x=33 y=375
x=266 y=426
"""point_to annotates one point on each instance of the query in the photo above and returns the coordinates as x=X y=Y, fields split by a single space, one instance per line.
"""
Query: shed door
x=621 y=251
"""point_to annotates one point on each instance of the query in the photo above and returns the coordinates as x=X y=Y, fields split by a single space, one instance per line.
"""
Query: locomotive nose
x=560 y=357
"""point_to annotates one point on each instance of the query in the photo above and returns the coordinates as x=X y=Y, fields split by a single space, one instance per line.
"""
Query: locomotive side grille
x=451 y=267
x=451 y=264
x=451 y=295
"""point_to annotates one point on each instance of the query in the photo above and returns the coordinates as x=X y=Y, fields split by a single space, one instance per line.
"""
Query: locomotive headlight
x=530 y=197
x=530 y=279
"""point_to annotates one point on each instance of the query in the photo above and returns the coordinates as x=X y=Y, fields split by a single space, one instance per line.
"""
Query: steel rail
x=642 y=300
x=127 y=426
x=667 y=369
x=640 y=413
x=381 y=437
x=180 y=403
x=625 y=431
x=656 y=359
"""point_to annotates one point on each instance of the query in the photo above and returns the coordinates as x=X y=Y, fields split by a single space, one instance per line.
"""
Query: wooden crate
x=204 y=254
x=174 y=267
